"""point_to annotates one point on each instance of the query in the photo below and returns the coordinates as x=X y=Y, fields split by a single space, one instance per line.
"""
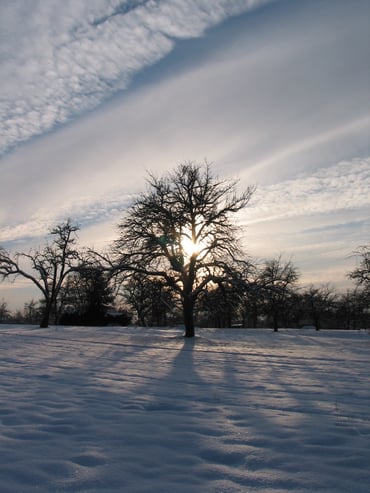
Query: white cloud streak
x=340 y=187
x=85 y=211
x=318 y=219
x=59 y=59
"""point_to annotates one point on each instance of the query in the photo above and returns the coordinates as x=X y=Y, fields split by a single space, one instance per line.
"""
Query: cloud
x=84 y=211
x=336 y=188
x=317 y=219
x=278 y=97
x=266 y=102
x=60 y=59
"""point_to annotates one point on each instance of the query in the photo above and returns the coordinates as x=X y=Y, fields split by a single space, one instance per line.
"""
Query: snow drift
x=144 y=410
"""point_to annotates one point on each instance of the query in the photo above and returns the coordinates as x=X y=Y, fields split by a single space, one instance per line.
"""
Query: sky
x=97 y=93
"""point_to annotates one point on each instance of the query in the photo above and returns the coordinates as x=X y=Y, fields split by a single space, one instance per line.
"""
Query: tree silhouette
x=180 y=231
x=150 y=298
x=318 y=302
x=46 y=268
x=277 y=279
x=4 y=312
x=361 y=274
x=86 y=297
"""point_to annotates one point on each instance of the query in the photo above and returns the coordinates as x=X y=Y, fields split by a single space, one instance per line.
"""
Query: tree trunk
x=188 y=312
x=276 y=322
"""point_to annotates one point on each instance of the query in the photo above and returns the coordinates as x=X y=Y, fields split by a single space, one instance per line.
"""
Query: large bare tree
x=48 y=267
x=180 y=231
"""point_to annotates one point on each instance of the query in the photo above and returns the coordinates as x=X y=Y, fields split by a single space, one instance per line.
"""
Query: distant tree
x=251 y=292
x=4 y=311
x=86 y=296
x=136 y=292
x=277 y=280
x=150 y=298
x=318 y=302
x=352 y=310
x=252 y=306
x=31 y=312
x=294 y=311
x=221 y=303
x=18 y=317
x=361 y=274
x=180 y=231
x=48 y=267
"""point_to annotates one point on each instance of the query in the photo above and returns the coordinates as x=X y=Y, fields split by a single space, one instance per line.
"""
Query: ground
x=146 y=411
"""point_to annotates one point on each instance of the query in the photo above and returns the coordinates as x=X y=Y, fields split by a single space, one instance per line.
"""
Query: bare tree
x=221 y=304
x=86 y=296
x=180 y=231
x=4 y=311
x=46 y=268
x=150 y=298
x=276 y=279
x=318 y=303
x=361 y=275
x=31 y=312
x=353 y=309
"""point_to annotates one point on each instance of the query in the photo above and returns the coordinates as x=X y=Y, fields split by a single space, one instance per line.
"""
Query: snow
x=145 y=411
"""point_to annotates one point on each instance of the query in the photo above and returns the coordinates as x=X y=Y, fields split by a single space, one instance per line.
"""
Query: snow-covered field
x=143 y=410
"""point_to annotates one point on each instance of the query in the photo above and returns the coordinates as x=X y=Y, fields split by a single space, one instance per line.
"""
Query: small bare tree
x=277 y=279
x=4 y=312
x=318 y=302
x=180 y=231
x=46 y=268
x=151 y=299
x=361 y=275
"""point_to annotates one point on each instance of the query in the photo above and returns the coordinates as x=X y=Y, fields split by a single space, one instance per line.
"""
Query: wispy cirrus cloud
x=315 y=203
x=318 y=219
x=343 y=186
x=84 y=211
x=59 y=59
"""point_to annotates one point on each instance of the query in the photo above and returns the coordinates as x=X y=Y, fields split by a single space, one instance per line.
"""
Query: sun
x=189 y=247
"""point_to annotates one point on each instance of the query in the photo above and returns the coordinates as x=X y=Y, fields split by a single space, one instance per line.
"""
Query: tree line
x=178 y=259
